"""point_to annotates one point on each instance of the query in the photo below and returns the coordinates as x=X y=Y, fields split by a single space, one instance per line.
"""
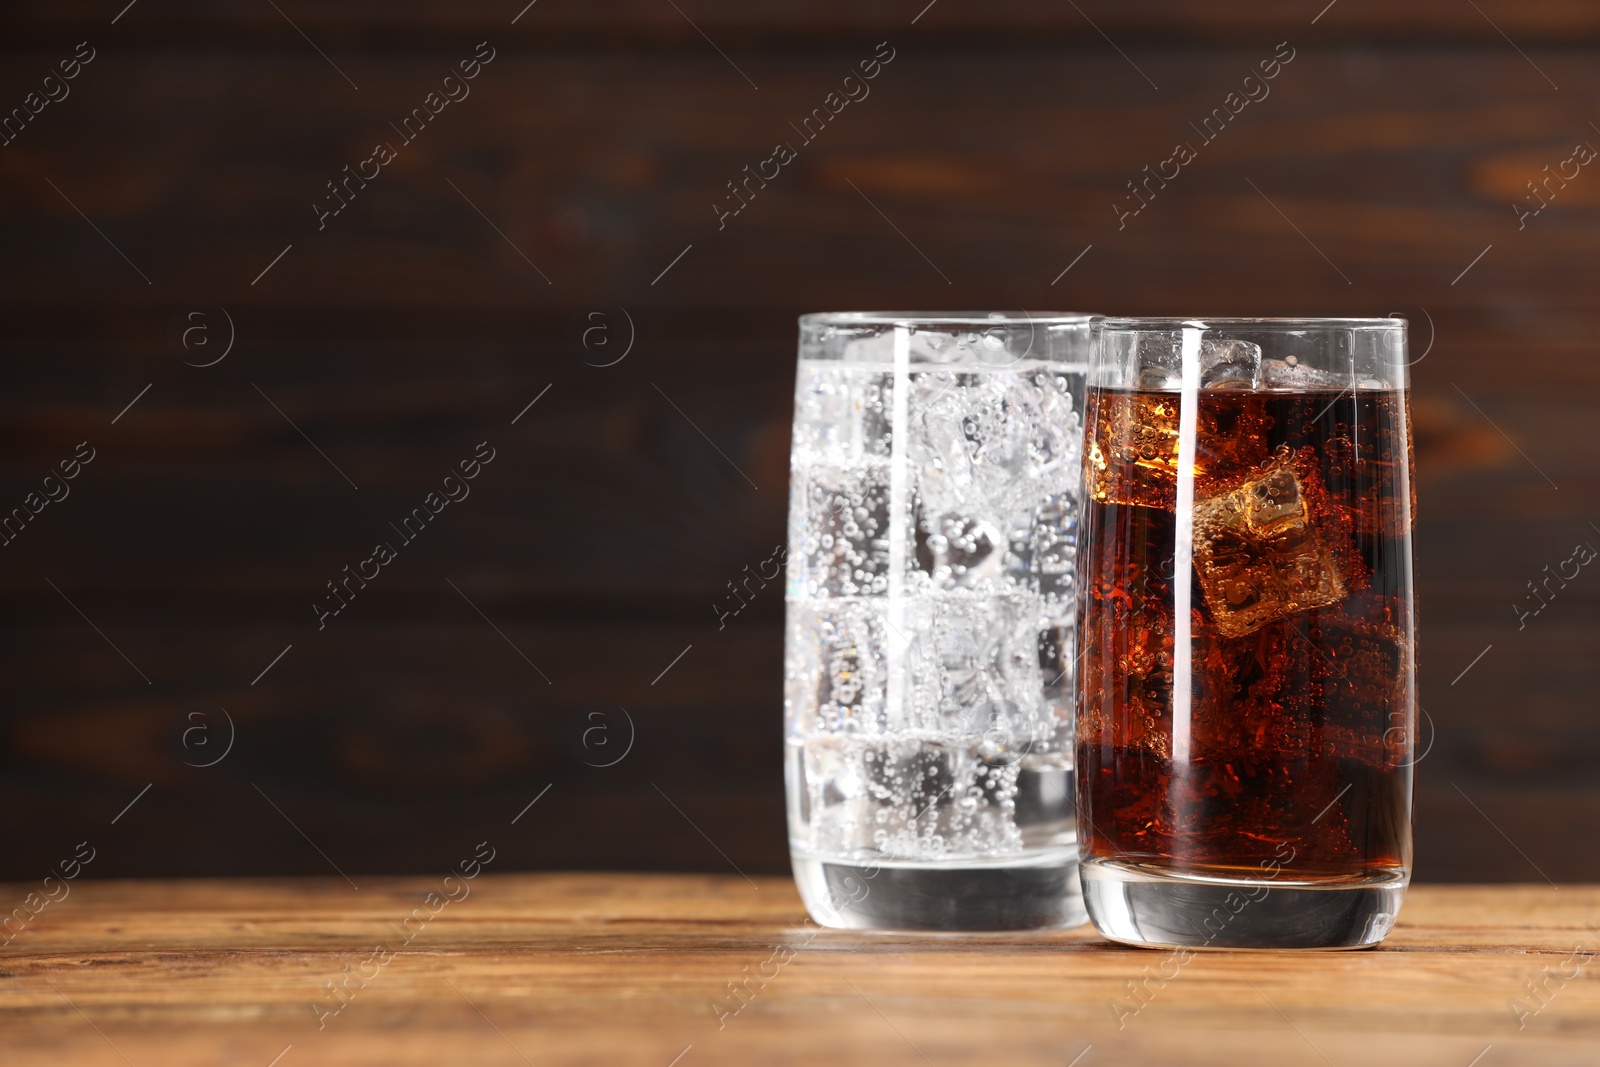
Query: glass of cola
x=1248 y=632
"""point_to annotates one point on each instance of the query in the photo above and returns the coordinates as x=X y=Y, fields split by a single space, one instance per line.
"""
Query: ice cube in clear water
x=980 y=657
x=959 y=552
x=1259 y=554
x=1052 y=555
x=843 y=414
x=959 y=543
x=839 y=530
x=986 y=448
x=837 y=678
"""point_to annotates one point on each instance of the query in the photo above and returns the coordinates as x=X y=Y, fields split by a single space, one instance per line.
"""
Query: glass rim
x=1135 y=324
x=947 y=318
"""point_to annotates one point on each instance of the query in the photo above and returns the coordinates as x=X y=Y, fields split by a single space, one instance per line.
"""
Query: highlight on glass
x=1245 y=731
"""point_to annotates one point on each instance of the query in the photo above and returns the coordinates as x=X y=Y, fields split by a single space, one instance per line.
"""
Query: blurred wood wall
x=574 y=190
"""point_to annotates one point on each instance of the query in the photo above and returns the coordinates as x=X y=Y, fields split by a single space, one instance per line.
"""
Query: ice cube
x=960 y=552
x=1159 y=379
x=842 y=414
x=838 y=531
x=1258 y=554
x=993 y=346
x=835 y=669
x=1128 y=661
x=1292 y=373
x=984 y=449
x=979 y=660
x=939 y=439
x=1160 y=356
x=1229 y=364
x=1051 y=556
x=935 y=346
x=1133 y=458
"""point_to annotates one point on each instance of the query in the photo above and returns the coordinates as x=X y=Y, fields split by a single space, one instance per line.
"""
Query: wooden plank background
x=1378 y=176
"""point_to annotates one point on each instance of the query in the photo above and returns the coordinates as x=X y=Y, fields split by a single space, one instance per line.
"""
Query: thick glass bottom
x=1038 y=891
x=1139 y=905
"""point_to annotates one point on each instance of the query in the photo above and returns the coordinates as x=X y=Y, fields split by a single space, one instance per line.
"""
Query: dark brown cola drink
x=1245 y=723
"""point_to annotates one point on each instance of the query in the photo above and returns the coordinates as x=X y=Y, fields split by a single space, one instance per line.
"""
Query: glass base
x=1039 y=891
x=1144 y=906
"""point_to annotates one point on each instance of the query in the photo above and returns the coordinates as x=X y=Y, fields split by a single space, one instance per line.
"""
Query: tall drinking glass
x=1245 y=730
x=929 y=670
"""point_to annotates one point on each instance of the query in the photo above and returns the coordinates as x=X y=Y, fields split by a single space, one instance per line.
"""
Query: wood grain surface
x=627 y=969
x=1378 y=176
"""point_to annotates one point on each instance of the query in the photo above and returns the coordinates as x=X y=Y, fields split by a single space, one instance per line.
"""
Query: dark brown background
x=599 y=539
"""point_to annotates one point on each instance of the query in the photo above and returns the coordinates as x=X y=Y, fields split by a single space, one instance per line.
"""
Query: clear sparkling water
x=929 y=669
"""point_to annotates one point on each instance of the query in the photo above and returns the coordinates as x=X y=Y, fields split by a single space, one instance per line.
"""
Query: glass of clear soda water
x=930 y=655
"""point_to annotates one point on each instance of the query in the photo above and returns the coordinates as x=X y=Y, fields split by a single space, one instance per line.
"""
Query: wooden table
x=626 y=970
